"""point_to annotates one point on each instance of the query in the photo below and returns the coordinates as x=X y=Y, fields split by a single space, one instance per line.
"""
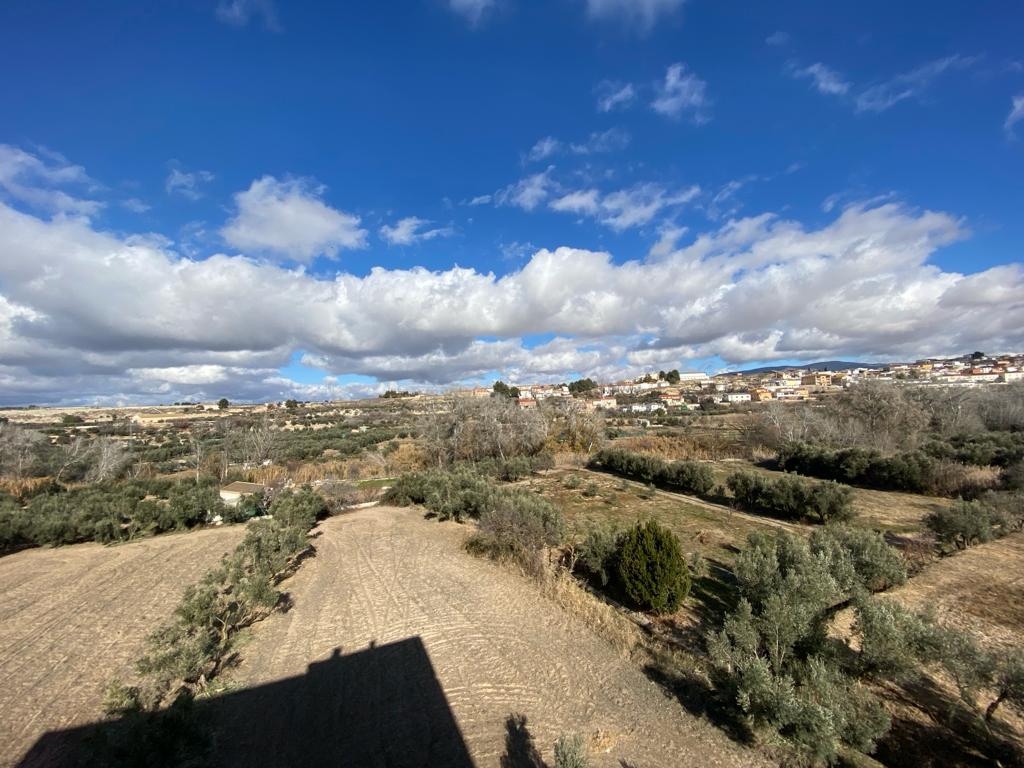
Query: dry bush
x=24 y=486
x=408 y=457
x=571 y=459
x=707 y=446
x=954 y=479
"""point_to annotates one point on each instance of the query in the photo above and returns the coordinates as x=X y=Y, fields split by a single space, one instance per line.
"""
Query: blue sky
x=720 y=156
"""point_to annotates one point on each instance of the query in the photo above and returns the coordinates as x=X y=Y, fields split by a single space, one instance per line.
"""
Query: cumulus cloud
x=1016 y=114
x=187 y=184
x=92 y=315
x=612 y=95
x=37 y=180
x=824 y=79
x=909 y=85
x=682 y=92
x=412 y=230
x=641 y=13
x=287 y=218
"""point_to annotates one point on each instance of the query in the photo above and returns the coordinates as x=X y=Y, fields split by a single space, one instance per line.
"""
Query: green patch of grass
x=376 y=482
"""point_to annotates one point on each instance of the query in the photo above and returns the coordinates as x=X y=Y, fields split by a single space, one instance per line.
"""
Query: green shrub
x=571 y=752
x=772 y=656
x=598 y=551
x=682 y=476
x=518 y=526
x=966 y=523
x=298 y=509
x=859 y=559
x=450 y=495
x=914 y=472
x=792 y=498
x=651 y=568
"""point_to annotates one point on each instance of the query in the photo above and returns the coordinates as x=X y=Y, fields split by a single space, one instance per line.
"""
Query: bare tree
x=574 y=425
x=77 y=452
x=19 y=450
x=259 y=443
x=198 y=437
x=465 y=428
x=108 y=459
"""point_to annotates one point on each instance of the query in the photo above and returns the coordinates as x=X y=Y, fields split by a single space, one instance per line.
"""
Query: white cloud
x=135 y=205
x=825 y=79
x=777 y=38
x=36 y=181
x=238 y=13
x=187 y=184
x=913 y=84
x=599 y=142
x=95 y=316
x=480 y=200
x=411 y=230
x=682 y=92
x=289 y=219
x=641 y=13
x=1016 y=114
x=527 y=193
x=472 y=10
x=581 y=201
x=543 y=149
x=612 y=95
x=625 y=208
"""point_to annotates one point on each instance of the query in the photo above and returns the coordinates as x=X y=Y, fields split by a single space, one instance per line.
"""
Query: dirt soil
x=387 y=580
x=73 y=617
x=980 y=590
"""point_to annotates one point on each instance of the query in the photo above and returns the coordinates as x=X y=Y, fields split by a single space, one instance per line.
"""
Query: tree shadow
x=948 y=734
x=382 y=707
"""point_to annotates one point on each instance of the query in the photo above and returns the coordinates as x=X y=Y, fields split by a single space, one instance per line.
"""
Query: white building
x=233 y=493
x=736 y=397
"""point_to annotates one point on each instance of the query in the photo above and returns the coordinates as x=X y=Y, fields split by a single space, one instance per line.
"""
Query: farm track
x=73 y=617
x=385 y=577
x=711 y=506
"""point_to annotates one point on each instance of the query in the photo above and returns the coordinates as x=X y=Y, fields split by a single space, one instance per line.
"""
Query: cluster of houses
x=652 y=392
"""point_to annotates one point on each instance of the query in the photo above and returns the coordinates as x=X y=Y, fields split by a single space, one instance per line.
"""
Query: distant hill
x=824 y=365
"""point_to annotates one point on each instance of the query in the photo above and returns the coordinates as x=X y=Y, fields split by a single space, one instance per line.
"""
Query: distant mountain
x=824 y=365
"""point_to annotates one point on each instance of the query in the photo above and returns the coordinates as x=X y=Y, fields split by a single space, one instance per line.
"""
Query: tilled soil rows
x=73 y=617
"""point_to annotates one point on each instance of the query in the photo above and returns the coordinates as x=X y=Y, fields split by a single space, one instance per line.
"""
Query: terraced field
x=72 y=617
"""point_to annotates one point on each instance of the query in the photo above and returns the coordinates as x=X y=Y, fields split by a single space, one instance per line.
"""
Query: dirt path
x=697 y=501
x=406 y=609
x=73 y=617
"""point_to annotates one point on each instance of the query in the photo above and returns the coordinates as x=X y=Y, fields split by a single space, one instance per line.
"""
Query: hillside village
x=664 y=391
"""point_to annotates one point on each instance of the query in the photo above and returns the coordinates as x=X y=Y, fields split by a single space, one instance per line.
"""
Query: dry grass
x=713 y=445
x=21 y=486
x=557 y=585
x=713 y=531
x=980 y=590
